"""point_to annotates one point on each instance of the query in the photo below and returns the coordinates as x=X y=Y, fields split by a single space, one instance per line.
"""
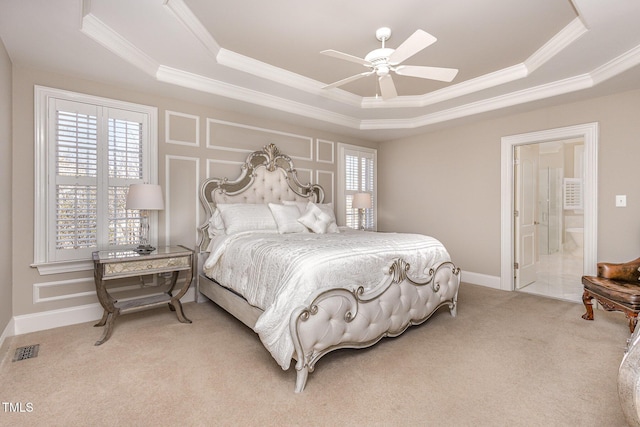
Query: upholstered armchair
x=616 y=288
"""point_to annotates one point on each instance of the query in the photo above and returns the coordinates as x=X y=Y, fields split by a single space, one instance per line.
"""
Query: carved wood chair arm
x=627 y=271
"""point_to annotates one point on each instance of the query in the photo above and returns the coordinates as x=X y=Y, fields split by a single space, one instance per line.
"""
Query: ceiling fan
x=384 y=60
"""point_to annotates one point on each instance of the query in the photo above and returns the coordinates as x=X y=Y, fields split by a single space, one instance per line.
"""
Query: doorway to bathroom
x=537 y=237
x=549 y=218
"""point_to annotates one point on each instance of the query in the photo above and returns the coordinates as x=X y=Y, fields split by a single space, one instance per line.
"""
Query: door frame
x=589 y=133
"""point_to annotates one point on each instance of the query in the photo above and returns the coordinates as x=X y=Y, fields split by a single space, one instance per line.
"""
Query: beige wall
x=444 y=183
x=193 y=141
x=447 y=183
x=6 y=294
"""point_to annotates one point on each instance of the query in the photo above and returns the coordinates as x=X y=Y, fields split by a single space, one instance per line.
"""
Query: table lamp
x=361 y=201
x=145 y=198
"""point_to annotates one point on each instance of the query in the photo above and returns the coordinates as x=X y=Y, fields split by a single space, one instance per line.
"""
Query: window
x=356 y=174
x=88 y=151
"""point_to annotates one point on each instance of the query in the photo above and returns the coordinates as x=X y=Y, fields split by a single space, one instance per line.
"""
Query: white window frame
x=341 y=208
x=43 y=97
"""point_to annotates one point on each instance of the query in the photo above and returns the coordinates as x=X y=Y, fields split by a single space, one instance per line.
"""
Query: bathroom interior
x=560 y=221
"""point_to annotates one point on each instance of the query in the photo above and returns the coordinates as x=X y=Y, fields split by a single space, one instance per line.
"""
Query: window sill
x=63 y=267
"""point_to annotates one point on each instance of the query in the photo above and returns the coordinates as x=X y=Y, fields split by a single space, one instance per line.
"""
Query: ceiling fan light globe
x=382 y=70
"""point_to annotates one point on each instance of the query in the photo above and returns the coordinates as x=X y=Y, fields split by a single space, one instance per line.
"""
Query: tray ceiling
x=264 y=57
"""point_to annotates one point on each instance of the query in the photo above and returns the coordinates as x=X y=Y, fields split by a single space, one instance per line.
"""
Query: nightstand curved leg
x=103 y=321
x=177 y=306
x=108 y=329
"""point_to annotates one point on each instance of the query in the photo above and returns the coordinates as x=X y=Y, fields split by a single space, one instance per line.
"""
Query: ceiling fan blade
x=387 y=88
x=414 y=44
x=349 y=79
x=346 y=57
x=433 y=73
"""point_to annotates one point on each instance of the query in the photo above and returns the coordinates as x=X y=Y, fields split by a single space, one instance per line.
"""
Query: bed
x=304 y=285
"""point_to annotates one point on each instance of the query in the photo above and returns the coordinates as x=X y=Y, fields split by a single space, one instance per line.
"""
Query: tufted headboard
x=267 y=176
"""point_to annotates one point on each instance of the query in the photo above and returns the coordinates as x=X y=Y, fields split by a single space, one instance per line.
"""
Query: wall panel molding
x=326 y=179
x=41 y=288
x=320 y=152
x=170 y=124
x=247 y=138
x=174 y=178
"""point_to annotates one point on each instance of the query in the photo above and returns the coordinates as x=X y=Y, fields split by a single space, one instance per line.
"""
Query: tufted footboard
x=340 y=318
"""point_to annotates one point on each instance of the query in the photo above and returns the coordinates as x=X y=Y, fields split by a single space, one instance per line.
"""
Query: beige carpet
x=508 y=359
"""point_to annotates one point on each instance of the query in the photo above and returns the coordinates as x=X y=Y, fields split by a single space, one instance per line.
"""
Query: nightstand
x=111 y=265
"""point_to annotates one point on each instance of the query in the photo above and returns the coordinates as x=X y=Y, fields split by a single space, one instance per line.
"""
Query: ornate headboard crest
x=278 y=181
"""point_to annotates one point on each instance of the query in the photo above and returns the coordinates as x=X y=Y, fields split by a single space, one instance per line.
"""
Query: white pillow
x=216 y=225
x=302 y=206
x=286 y=217
x=315 y=219
x=327 y=208
x=239 y=217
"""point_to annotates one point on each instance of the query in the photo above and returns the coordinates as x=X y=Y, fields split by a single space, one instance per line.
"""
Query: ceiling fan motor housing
x=380 y=60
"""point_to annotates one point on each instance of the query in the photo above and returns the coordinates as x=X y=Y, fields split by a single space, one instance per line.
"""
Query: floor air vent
x=28 y=352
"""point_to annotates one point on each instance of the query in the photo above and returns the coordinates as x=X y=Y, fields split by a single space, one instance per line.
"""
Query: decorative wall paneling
x=229 y=136
x=182 y=210
x=326 y=180
x=325 y=151
x=182 y=129
x=227 y=145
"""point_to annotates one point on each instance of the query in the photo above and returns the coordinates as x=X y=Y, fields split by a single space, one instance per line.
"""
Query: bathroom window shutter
x=573 y=194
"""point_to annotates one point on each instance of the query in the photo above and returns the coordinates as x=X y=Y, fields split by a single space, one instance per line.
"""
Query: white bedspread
x=279 y=272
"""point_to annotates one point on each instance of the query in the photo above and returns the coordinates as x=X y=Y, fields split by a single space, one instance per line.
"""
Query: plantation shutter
x=125 y=168
x=75 y=192
x=99 y=152
x=359 y=178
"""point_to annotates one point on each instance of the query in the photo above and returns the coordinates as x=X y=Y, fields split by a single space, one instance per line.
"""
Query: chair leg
x=586 y=300
x=633 y=320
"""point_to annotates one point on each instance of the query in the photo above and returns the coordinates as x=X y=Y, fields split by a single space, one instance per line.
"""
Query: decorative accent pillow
x=286 y=217
x=315 y=219
x=239 y=217
x=327 y=208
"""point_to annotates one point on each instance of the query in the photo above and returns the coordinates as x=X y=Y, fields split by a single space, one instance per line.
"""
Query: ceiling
x=263 y=58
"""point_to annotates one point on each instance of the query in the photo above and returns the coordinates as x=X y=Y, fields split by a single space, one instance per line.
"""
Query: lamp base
x=144 y=249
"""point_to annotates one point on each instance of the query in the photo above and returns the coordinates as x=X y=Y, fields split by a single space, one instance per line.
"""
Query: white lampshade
x=361 y=201
x=145 y=196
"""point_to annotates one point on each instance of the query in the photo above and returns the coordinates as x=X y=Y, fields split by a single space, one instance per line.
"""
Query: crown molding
x=275 y=74
x=110 y=39
x=622 y=63
x=514 y=98
x=94 y=28
x=569 y=34
x=205 y=84
x=467 y=87
x=183 y=14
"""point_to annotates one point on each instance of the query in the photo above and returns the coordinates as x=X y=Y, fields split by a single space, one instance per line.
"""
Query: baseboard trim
x=35 y=322
x=481 y=279
x=9 y=331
